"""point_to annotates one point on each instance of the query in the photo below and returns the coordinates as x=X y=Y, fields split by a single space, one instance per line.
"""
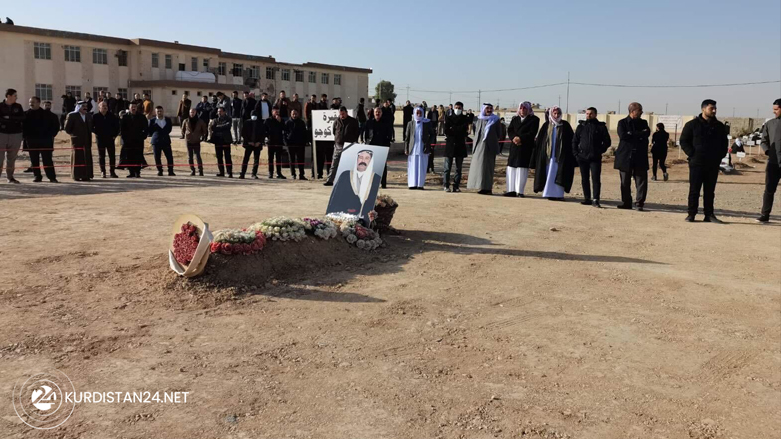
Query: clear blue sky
x=470 y=45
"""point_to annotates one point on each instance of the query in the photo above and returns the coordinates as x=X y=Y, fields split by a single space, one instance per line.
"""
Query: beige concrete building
x=47 y=63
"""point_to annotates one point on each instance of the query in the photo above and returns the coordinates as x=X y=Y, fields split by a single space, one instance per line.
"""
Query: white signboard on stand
x=323 y=122
x=671 y=123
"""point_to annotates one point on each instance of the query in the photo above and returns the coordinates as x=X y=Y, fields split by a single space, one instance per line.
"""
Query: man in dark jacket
x=345 y=131
x=456 y=129
x=632 y=156
x=283 y=103
x=295 y=139
x=360 y=114
x=120 y=105
x=160 y=132
x=221 y=138
x=183 y=112
x=379 y=132
x=252 y=135
x=133 y=129
x=105 y=125
x=771 y=145
x=68 y=106
x=204 y=110
x=407 y=111
x=323 y=104
x=275 y=132
x=247 y=107
x=236 y=117
x=11 y=132
x=704 y=140
x=40 y=127
x=591 y=141
x=659 y=150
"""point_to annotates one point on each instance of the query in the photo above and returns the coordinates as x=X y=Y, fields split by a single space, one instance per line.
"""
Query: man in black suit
x=632 y=156
x=356 y=189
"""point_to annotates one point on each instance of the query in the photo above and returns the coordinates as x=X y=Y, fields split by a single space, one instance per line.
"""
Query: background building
x=48 y=63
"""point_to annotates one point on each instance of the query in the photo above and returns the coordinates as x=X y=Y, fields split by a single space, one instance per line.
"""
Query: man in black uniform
x=456 y=129
x=704 y=140
x=39 y=128
x=590 y=142
x=378 y=131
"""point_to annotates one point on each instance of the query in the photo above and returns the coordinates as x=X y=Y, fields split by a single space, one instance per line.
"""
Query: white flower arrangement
x=281 y=228
x=323 y=229
x=361 y=237
x=234 y=236
x=341 y=219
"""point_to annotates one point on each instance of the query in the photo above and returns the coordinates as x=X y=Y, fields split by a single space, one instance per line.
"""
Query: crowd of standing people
x=553 y=149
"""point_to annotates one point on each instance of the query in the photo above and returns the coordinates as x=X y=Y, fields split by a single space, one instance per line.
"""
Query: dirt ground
x=487 y=317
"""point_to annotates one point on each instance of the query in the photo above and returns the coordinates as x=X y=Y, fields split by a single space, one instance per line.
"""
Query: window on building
x=181 y=67
x=122 y=58
x=173 y=92
x=168 y=62
x=221 y=68
x=286 y=74
x=238 y=69
x=122 y=92
x=199 y=94
x=44 y=91
x=194 y=64
x=337 y=79
x=99 y=56
x=324 y=78
x=270 y=73
x=96 y=91
x=72 y=53
x=299 y=76
x=75 y=91
x=146 y=92
x=155 y=60
x=42 y=50
x=254 y=72
x=312 y=77
x=205 y=64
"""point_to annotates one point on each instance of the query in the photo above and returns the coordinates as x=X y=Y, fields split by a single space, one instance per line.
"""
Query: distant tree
x=384 y=90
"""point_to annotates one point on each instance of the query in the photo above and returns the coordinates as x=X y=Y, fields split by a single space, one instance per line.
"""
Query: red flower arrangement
x=185 y=244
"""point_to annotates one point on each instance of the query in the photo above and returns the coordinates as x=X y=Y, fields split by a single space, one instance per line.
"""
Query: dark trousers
x=159 y=150
x=594 y=169
x=702 y=178
x=384 y=181
x=459 y=171
x=659 y=159
x=248 y=152
x=772 y=176
x=106 y=144
x=360 y=131
x=297 y=158
x=194 y=148
x=335 y=162
x=43 y=152
x=224 y=151
x=325 y=150
x=640 y=175
x=430 y=166
x=405 y=128
x=275 y=151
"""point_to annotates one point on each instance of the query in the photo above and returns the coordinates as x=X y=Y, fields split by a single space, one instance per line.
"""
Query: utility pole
x=757 y=112
x=407 y=91
x=451 y=98
x=568 y=92
x=733 y=111
x=665 y=109
x=619 y=107
x=559 y=101
x=480 y=100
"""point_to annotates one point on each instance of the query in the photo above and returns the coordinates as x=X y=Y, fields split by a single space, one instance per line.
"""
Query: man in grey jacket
x=771 y=144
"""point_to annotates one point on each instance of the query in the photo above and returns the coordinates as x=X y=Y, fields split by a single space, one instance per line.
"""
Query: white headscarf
x=528 y=106
x=492 y=119
x=554 y=121
x=361 y=180
x=420 y=118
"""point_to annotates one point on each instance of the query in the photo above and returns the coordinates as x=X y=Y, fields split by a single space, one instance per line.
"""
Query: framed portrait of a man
x=358 y=179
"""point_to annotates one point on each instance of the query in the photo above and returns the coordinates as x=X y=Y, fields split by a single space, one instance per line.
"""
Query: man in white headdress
x=355 y=190
x=79 y=126
x=522 y=131
x=486 y=146
x=417 y=145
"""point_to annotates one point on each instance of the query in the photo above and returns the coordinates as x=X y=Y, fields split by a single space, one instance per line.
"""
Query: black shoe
x=586 y=202
x=412 y=188
x=302 y=178
x=230 y=175
x=130 y=176
x=385 y=186
x=319 y=177
x=103 y=174
x=521 y=196
x=13 y=180
x=624 y=206
x=38 y=179
x=455 y=189
x=447 y=189
x=294 y=176
x=485 y=192
x=712 y=219
x=255 y=176
x=510 y=194
x=241 y=176
x=637 y=203
x=328 y=183
x=200 y=173
x=219 y=175
x=281 y=177
x=171 y=174
x=666 y=176
x=555 y=199
x=653 y=178
x=640 y=207
x=270 y=175
x=114 y=175
x=159 y=173
x=53 y=180
x=596 y=204
x=763 y=219
x=28 y=170
x=192 y=172
x=689 y=218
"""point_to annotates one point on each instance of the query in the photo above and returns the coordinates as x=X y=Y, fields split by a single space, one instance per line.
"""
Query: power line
x=675 y=86
x=490 y=91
